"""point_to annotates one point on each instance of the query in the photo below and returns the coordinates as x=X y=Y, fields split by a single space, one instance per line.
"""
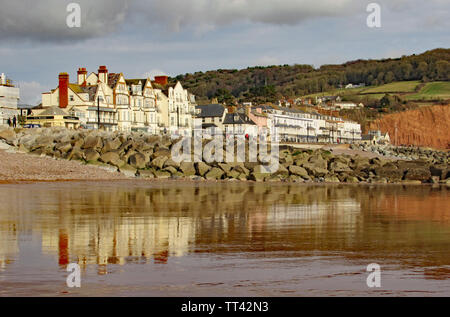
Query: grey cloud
x=45 y=20
x=178 y=14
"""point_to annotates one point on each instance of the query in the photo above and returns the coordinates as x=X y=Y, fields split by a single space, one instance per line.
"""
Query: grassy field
x=397 y=87
x=432 y=91
x=406 y=90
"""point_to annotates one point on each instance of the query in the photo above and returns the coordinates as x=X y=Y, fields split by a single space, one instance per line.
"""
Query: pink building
x=258 y=117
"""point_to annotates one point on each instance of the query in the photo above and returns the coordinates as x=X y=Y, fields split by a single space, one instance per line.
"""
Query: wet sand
x=224 y=239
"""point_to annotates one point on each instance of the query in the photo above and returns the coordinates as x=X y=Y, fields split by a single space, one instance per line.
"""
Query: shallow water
x=223 y=239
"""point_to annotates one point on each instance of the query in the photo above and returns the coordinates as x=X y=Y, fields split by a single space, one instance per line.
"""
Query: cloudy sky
x=148 y=37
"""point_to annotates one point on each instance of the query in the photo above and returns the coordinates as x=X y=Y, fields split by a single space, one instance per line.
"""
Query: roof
x=237 y=118
x=24 y=106
x=76 y=88
x=367 y=137
x=91 y=90
x=135 y=81
x=53 y=111
x=213 y=110
x=113 y=78
x=208 y=125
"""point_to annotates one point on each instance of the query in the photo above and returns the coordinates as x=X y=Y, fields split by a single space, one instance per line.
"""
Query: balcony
x=102 y=121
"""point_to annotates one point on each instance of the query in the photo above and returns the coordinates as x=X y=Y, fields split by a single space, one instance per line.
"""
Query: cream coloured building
x=112 y=102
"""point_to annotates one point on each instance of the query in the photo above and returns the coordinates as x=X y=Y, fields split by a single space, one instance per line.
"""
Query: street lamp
x=98 y=112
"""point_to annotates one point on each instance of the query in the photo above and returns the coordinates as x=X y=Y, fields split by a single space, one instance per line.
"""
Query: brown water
x=235 y=239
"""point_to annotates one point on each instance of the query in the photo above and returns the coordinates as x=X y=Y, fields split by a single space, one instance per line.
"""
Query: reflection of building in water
x=8 y=243
x=345 y=211
x=119 y=239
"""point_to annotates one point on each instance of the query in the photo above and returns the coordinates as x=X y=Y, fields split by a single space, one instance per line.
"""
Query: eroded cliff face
x=427 y=126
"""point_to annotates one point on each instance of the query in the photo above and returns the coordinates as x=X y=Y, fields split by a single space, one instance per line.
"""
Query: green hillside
x=432 y=91
x=396 y=87
x=269 y=84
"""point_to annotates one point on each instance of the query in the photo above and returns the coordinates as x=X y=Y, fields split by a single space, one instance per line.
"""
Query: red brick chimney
x=103 y=74
x=82 y=73
x=162 y=80
x=63 y=90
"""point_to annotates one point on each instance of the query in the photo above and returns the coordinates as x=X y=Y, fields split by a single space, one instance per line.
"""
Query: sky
x=143 y=38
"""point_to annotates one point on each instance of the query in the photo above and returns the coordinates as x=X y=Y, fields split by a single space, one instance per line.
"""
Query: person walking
x=14 y=121
x=9 y=122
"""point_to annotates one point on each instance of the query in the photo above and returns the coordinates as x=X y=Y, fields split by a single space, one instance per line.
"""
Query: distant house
x=212 y=116
x=260 y=118
x=239 y=123
x=375 y=137
x=53 y=117
x=349 y=86
x=327 y=99
x=347 y=105
x=368 y=139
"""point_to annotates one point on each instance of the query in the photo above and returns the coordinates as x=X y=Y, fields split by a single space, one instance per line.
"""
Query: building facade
x=111 y=102
x=9 y=99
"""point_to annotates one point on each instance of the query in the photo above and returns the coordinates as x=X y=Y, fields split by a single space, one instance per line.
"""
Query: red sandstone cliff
x=426 y=126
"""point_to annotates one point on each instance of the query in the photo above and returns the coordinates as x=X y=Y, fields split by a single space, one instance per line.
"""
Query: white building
x=294 y=125
x=9 y=98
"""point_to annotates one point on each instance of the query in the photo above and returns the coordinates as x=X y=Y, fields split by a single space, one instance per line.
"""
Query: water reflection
x=103 y=224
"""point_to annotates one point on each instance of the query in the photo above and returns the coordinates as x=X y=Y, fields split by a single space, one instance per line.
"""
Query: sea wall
x=147 y=156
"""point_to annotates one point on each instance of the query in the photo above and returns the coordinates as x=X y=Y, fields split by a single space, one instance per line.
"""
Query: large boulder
x=202 y=168
x=93 y=142
x=91 y=155
x=318 y=161
x=8 y=135
x=241 y=170
x=299 y=171
x=441 y=170
x=263 y=169
x=187 y=168
x=42 y=142
x=339 y=167
x=390 y=172
x=214 y=174
x=76 y=154
x=111 y=145
x=162 y=174
x=112 y=158
x=171 y=163
x=161 y=152
x=146 y=173
x=128 y=170
x=418 y=174
x=64 y=147
x=158 y=162
x=138 y=160
x=257 y=177
x=314 y=170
